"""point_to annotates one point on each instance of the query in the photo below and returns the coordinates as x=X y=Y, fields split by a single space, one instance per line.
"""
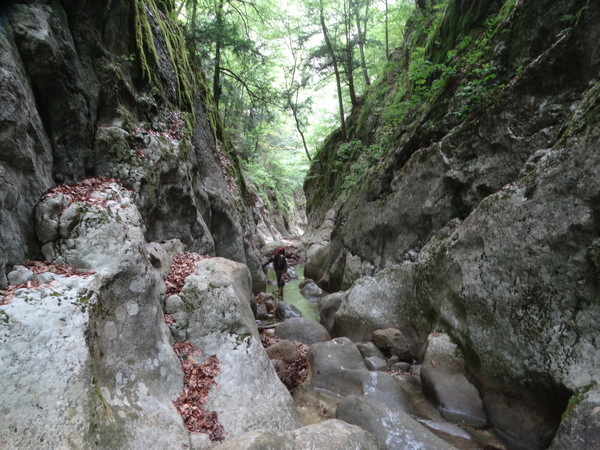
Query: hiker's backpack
x=279 y=262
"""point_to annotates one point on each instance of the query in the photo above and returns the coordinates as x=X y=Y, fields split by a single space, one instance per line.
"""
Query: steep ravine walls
x=103 y=88
x=480 y=215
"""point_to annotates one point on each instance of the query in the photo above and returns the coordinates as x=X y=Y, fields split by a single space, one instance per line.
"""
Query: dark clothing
x=280 y=265
x=279 y=262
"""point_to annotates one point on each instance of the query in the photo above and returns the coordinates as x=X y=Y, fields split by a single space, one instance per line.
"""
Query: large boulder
x=386 y=301
x=521 y=272
x=337 y=369
x=393 y=342
x=25 y=154
x=325 y=435
x=395 y=428
x=48 y=399
x=218 y=320
x=337 y=366
x=444 y=381
x=301 y=329
x=121 y=358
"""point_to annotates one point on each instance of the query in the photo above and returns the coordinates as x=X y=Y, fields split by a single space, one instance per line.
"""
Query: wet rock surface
x=443 y=377
x=328 y=434
x=301 y=329
x=392 y=426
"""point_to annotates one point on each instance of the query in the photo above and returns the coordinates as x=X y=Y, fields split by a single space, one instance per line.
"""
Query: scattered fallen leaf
x=198 y=379
x=183 y=265
x=82 y=191
x=39 y=267
x=296 y=372
x=169 y=320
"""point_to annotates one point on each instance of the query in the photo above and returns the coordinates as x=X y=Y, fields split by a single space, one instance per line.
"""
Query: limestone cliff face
x=103 y=88
x=447 y=148
x=483 y=208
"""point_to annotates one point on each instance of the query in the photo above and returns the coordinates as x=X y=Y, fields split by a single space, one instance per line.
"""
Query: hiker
x=280 y=265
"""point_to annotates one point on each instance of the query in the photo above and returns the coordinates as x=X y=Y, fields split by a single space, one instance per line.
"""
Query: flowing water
x=292 y=295
x=315 y=408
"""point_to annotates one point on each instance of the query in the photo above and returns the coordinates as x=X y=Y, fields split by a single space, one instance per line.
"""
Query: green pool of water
x=292 y=295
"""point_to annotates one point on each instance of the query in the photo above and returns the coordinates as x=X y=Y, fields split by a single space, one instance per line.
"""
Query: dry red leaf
x=82 y=191
x=198 y=379
x=38 y=267
x=296 y=372
x=10 y=290
x=169 y=320
x=183 y=265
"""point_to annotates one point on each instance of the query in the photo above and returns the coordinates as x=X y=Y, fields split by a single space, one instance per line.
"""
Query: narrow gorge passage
x=430 y=169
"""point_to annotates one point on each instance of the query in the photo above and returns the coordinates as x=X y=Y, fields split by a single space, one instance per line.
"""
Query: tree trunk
x=335 y=69
x=349 y=52
x=218 y=44
x=387 y=32
x=298 y=127
x=362 y=37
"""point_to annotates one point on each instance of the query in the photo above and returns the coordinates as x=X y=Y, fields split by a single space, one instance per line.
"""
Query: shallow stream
x=292 y=294
x=318 y=407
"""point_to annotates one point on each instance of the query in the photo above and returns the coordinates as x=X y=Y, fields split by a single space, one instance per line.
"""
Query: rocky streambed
x=377 y=384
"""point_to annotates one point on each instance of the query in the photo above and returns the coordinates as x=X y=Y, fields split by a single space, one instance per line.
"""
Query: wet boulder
x=217 y=298
x=328 y=306
x=110 y=346
x=395 y=428
x=385 y=301
x=337 y=366
x=444 y=381
x=285 y=311
x=375 y=363
x=285 y=351
x=328 y=434
x=369 y=349
x=310 y=290
x=303 y=330
x=393 y=342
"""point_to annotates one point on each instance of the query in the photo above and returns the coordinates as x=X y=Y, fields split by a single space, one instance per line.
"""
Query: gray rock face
x=25 y=154
x=301 y=329
x=337 y=366
x=444 y=380
x=395 y=428
x=53 y=392
x=111 y=354
x=441 y=169
x=393 y=342
x=70 y=110
x=219 y=321
x=581 y=425
x=325 y=435
x=496 y=302
x=494 y=223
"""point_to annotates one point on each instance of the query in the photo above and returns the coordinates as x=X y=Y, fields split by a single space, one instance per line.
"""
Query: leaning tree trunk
x=335 y=69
